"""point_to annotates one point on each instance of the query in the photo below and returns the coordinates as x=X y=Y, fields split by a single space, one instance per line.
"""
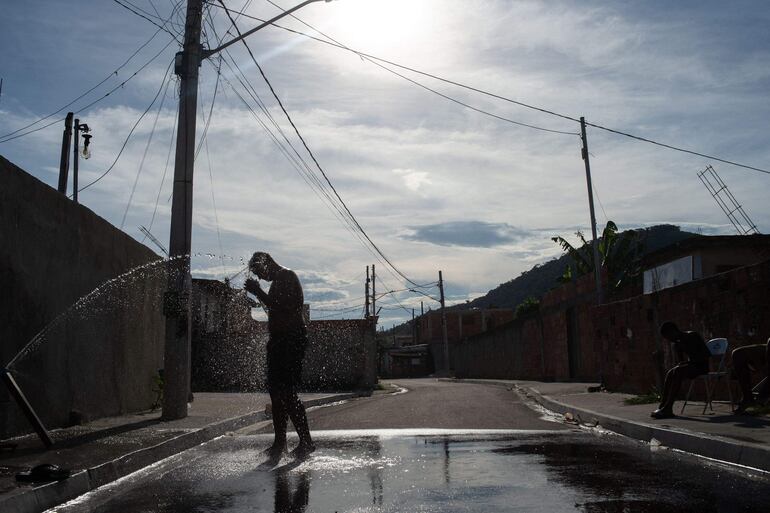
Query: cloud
x=413 y=180
x=404 y=160
x=478 y=234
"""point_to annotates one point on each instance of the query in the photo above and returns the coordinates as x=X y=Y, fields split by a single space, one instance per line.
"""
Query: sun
x=390 y=26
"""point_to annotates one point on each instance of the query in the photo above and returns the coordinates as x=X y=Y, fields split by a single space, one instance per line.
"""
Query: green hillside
x=543 y=277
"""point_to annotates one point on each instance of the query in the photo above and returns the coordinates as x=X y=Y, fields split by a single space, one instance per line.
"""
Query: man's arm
x=253 y=287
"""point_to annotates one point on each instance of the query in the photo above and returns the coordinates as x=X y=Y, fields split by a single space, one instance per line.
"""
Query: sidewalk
x=736 y=439
x=108 y=449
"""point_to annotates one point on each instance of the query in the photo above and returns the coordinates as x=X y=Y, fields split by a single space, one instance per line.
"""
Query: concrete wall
x=571 y=339
x=95 y=360
x=341 y=355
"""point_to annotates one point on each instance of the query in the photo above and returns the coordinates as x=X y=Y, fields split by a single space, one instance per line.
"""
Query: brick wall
x=571 y=339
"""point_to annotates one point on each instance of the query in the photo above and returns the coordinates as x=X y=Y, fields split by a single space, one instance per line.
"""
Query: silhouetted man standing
x=285 y=349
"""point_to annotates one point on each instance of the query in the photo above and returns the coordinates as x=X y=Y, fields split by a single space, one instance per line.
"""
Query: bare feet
x=274 y=452
x=303 y=450
x=662 y=413
x=744 y=405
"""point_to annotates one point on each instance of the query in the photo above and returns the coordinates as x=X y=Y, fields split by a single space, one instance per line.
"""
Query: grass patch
x=652 y=397
x=758 y=411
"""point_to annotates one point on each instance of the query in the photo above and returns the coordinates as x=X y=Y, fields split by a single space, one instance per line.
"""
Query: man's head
x=263 y=265
x=669 y=330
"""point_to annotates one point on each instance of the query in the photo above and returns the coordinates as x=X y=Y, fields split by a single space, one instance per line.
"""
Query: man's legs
x=671 y=386
x=298 y=417
x=744 y=358
x=280 y=420
x=763 y=387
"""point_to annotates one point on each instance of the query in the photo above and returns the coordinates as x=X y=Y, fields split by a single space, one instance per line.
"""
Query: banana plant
x=618 y=253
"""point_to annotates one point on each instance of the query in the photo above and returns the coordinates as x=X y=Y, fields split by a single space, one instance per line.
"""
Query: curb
x=747 y=454
x=54 y=494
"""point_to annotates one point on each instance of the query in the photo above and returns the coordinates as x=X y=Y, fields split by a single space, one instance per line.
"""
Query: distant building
x=412 y=361
x=224 y=339
x=700 y=257
x=461 y=324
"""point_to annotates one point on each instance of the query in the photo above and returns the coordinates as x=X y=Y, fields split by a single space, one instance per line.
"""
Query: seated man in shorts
x=685 y=343
x=755 y=357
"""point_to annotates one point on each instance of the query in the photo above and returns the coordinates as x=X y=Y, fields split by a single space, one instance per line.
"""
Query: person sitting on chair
x=745 y=359
x=697 y=364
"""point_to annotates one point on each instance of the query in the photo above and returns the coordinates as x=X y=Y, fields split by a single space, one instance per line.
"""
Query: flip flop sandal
x=43 y=473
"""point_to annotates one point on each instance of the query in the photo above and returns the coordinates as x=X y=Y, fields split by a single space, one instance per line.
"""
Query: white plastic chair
x=718 y=349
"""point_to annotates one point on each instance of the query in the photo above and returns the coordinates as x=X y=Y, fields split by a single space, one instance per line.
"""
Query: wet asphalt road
x=465 y=464
x=433 y=404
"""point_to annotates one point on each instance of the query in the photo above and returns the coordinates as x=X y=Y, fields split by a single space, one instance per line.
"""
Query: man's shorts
x=285 y=353
x=694 y=369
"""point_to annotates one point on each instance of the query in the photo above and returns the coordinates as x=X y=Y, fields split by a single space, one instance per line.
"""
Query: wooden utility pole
x=176 y=304
x=595 y=243
x=366 y=289
x=414 y=329
x=443 y=323
x=64 y=163
x=176 y=389
x=374 y=301
x=75 y=160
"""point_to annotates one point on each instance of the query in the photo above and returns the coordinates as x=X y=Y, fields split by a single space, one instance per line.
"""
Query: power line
x=205 y=143
x=6 y=137
x=165 y=170
x=312 y=155
x=675 y=148
x=131 y=132
x=144 y=155
x=334 y=42
x=301 y=167
x=508 y=100
x=134 y=9
x=81 y=109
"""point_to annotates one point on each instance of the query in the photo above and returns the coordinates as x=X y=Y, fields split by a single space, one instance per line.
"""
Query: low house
x=700 y=257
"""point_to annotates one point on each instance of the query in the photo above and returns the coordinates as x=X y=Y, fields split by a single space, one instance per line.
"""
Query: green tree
x=529 y=306
x=619 y=254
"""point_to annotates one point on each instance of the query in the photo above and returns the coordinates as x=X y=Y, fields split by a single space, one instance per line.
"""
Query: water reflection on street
x=434 y=472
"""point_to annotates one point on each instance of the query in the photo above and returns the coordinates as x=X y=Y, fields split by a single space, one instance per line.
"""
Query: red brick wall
x=734 y=305
x=616 y=341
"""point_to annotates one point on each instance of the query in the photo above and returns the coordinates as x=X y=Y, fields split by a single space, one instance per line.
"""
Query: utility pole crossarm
x=209 y=53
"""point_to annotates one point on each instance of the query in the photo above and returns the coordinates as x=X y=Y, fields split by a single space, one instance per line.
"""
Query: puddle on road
x=425 y=471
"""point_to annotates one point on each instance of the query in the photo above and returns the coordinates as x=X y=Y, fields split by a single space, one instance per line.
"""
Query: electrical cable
x=4 y=137
x=312 y=155
x=298 y=167
x=676 y=148
x=207 y=121
x=205 y=143
x=423 y=86
x=163 y=178
x=133 y=10
x=299 y=162
x=509 y=100
x=81 y=109
x=146 y=149
x=130 y=132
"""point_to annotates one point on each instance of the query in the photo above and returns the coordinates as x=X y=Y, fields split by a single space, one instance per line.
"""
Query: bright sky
x=434 y=184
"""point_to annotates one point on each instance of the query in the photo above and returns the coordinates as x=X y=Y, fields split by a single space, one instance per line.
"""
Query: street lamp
x=176 y=304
